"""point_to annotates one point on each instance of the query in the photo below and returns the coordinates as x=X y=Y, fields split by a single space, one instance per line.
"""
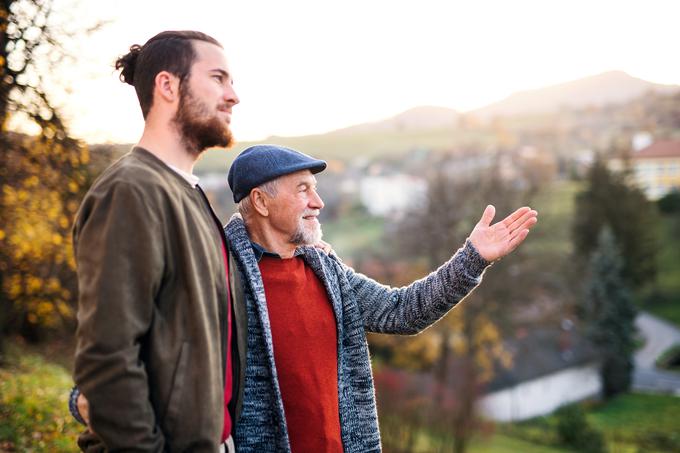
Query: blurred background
x=425 y=115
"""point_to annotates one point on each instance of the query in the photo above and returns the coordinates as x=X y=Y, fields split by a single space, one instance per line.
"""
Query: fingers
x=324 y=246
x=517 y=218
x=512 y=218
x=517 y=240
x=527 y=220
x=488 y=215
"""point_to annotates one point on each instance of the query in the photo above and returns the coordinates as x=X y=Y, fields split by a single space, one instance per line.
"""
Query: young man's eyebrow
x=222 y=72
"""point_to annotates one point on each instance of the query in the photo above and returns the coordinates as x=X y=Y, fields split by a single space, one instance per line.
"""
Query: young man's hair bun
x=127 y=63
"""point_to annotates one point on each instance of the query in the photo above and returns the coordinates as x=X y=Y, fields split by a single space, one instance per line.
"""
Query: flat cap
x=262 y=163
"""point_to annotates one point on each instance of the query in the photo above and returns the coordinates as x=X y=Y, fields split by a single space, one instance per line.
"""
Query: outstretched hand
x=495 y=241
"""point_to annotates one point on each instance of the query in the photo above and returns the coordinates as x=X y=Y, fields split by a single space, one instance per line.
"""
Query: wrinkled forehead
x=297 y=178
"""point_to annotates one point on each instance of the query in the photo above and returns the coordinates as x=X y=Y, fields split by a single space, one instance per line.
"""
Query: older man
x=308 y=384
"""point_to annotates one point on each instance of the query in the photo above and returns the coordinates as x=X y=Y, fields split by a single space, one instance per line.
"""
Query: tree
x=42 y=178
x=610 y=315
x=470 y=347
x=609 y=200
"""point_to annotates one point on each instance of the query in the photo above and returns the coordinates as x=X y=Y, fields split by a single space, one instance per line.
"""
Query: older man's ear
x=259 y=201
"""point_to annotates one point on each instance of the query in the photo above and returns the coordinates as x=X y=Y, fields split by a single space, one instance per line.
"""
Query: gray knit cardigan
x=360 y=304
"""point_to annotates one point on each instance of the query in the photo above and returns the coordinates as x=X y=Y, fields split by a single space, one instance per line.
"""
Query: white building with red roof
x=657 y=168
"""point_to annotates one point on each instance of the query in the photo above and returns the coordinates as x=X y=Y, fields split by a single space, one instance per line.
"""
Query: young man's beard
x=199 y=128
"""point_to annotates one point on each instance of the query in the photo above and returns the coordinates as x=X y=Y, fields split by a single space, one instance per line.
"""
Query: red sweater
x=228 y=380
x=305 y=351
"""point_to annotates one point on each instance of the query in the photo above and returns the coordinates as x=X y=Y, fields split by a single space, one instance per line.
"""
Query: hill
x=441 y=128
x=614 y=87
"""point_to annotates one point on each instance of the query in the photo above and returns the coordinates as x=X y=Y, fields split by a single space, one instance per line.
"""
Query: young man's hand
x=84 y=409
x=495 y=241
x=325 y=246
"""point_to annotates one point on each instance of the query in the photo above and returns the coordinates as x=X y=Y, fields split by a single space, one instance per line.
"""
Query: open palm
x=497 y=240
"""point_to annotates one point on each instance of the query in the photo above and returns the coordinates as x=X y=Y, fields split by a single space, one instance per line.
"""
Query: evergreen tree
x=610 y=315
x=609 y=200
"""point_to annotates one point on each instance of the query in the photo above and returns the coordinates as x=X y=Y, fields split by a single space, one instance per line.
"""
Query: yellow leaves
x=44 y=300
x=44 y=309
x=22 y=196
x=71 y=207
x=418 y=351
x=33 y=284
x=40 y=196
x=64 y=309
x=13 y=286
x=53 y=285
x=64 y=222
x=9 y=195
x=31 y=182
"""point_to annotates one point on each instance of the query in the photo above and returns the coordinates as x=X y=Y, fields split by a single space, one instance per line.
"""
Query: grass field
x=501 y=443
x=630 y=423
x=664 y=298
x=33 y=405
x=34 y=417
x=649 y=421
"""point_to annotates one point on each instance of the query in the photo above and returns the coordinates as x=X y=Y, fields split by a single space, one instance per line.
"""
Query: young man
x=157 y=336
x=308 y=384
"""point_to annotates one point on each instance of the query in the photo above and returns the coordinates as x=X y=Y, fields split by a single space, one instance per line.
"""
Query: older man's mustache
x=311 y=213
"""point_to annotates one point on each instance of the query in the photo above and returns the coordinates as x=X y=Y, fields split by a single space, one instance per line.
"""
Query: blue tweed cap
x=262 y=163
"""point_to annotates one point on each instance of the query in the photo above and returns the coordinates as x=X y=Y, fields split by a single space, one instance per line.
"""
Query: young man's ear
x=167 y=86
x=259 y=201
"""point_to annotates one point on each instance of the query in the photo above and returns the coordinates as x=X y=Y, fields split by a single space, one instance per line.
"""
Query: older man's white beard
x=306 y=236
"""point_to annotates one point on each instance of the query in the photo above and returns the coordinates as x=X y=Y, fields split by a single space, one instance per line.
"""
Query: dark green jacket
x=152 y=314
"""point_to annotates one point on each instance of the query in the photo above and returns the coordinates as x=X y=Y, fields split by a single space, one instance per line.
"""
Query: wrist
x=73 y=405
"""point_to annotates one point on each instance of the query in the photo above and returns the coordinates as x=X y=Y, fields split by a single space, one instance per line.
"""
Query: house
x=552 y=367
x=388 y=194
x=656 y=168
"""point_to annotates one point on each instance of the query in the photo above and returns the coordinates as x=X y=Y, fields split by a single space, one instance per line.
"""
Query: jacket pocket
x=177 y=391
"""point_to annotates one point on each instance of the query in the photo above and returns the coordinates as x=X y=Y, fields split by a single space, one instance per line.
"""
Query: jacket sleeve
x=118 y=245
x=411 y=309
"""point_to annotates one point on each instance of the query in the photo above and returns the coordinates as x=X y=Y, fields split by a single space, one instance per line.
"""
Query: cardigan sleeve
x=411 y=309
x=119 y=249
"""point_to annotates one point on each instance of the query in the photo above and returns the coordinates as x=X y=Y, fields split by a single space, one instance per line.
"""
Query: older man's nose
x=316 y=201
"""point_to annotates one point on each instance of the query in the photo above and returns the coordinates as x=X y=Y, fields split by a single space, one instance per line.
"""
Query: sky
x=306 y=67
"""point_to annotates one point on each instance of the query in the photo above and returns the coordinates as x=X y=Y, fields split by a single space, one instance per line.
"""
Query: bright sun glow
x=304 y=67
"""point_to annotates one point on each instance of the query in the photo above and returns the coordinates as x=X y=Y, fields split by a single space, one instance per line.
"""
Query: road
x=659 y=335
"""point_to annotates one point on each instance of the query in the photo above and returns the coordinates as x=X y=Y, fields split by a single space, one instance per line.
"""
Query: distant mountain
x=613 y=87
x=415 y=119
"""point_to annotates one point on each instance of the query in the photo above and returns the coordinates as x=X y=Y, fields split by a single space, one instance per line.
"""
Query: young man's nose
x=230 y=95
